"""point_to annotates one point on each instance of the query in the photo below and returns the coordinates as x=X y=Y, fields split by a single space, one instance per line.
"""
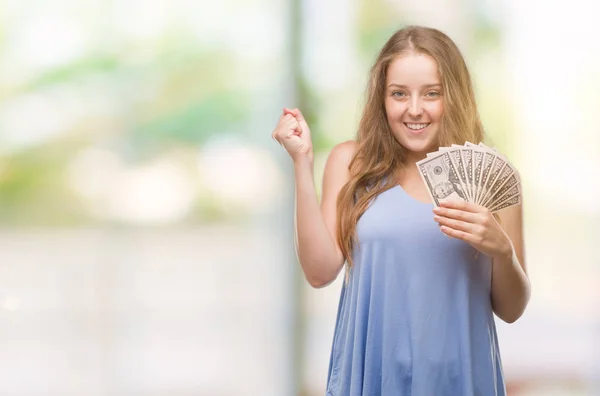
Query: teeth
x=416 y=126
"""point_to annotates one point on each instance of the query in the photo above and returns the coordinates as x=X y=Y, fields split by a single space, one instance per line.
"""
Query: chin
x=421 y=144
x=423 y=147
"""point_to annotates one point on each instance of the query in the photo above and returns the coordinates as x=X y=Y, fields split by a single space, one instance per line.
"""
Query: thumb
x=300 y=118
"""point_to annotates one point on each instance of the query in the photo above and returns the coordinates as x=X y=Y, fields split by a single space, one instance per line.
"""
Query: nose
x=415 y=109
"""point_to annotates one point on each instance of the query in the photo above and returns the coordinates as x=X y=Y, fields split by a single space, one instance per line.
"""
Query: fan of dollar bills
x=474 y=173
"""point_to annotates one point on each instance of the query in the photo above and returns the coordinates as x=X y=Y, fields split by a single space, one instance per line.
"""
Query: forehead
x=413 y=69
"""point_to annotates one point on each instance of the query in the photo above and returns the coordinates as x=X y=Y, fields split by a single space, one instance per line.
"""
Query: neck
x=409 y=164
x=413 y=157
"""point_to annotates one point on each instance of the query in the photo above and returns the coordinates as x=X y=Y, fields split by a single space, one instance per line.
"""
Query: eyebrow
x=424 y=86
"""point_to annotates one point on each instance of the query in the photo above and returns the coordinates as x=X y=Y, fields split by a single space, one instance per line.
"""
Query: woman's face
x=414 y=103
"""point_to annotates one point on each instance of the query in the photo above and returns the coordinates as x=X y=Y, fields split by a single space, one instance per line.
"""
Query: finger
x=458 y=234
x=289 y=117
x=461 y=205
x=457 y=214
x=295 y=129
x=298 y=114
x=455 y=224
x=288 y=125
x=295 y=112
x=289 y=122
x=281 y=118
x=294 y=122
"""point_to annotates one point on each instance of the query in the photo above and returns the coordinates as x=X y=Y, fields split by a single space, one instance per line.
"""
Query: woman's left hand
x=475 y=225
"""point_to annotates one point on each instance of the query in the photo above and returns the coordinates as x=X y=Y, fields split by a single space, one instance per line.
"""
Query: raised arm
x=316 y=242
x=315 y=224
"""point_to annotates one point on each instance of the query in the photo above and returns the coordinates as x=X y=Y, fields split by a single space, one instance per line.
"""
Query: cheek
x=393 y=109
x=436 y=110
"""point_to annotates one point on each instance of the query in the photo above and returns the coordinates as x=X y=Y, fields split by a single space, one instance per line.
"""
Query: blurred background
x=147 y=216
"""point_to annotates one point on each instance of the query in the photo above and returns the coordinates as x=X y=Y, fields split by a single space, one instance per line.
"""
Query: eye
x=398 y=94
x=432 y=94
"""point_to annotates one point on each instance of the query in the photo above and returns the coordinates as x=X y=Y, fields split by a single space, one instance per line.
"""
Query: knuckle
x=481 y=229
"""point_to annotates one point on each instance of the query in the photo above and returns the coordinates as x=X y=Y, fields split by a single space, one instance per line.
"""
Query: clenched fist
x=293 y=134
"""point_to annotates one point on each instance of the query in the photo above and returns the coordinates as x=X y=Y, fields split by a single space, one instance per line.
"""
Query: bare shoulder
x=340 y=156
x=345 y=150
x=336 y=173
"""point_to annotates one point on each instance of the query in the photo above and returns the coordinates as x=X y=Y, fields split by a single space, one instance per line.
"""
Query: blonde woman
x=416 y=311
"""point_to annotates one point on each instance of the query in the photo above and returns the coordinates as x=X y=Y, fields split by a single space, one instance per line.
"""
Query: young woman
x=422 y=284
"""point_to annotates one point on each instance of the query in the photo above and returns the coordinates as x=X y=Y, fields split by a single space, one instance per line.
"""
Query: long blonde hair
x=379 y=155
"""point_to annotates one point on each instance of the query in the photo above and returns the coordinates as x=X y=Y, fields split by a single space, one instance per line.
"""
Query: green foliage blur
x=172 y=94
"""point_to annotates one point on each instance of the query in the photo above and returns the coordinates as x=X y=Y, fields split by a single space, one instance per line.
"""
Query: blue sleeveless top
x=415 y=315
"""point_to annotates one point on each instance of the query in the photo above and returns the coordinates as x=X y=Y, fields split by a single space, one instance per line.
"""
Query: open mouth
x=416 y=127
